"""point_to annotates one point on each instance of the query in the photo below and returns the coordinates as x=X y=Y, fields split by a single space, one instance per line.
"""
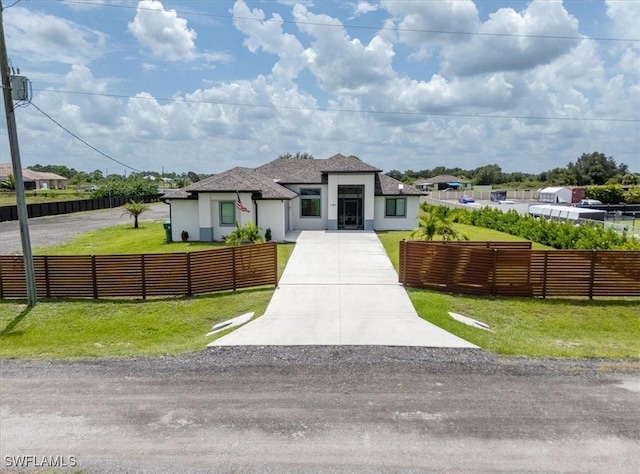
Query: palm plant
x=431 y=224
x=9 y=183
x=246 y=234
x=135 y=208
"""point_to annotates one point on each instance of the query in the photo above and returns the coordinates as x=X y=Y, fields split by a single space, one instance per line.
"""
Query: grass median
x=552 y=327
x=74 y=328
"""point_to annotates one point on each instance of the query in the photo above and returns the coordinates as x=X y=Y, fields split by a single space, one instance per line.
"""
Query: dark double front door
x=350 y=207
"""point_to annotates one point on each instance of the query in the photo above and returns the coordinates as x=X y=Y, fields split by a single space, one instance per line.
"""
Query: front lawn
x=552 y=327
x=72 y=328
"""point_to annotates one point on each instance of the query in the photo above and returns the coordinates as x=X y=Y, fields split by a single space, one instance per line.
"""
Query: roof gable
x=312 y=170
x=388 y=186
x=241 y=179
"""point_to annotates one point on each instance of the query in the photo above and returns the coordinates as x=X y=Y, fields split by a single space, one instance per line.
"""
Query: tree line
x=588 y=170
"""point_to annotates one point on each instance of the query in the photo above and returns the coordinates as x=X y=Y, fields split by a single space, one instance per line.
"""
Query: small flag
x=239 y=204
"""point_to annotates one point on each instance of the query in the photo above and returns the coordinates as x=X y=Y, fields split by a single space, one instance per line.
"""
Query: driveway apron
x=340 y=288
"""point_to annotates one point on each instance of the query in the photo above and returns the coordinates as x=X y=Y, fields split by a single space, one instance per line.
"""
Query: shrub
x=184 y=235
x=554 y=233
x=246 y=234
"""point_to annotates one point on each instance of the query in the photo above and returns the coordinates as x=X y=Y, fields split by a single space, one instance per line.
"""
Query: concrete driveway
x=340 y=288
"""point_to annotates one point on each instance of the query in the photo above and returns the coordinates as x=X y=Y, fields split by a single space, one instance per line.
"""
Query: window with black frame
x=396 y=207
x=310 y=204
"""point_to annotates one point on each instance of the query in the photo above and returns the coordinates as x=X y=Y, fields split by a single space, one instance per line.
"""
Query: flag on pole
x=239 y=204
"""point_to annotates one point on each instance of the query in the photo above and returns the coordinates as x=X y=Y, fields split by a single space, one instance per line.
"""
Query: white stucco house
x=291 y=194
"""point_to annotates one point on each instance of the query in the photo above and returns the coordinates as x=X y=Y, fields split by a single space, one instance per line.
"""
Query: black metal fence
x=10 y=213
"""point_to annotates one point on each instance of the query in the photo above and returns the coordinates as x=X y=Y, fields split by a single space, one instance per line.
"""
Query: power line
x=81 y=140
x=352 y=111
x=362 y=27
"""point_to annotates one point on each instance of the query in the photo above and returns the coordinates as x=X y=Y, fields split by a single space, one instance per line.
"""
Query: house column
x=205 y=217
x=332 y=202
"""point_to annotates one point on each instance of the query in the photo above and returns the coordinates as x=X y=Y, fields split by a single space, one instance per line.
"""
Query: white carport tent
x=555 y=194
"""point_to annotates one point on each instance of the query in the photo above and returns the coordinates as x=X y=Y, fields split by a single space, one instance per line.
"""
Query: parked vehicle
x=589 y=203
x=464 y=199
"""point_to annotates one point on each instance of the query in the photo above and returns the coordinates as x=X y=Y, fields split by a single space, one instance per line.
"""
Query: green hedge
x=554 y=233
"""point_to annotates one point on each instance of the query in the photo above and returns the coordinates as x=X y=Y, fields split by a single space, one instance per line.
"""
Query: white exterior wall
x=184 y=216
x=271 y=215
x=364 y=179
x=296 y=221
x=368 y=180
x=409 y=222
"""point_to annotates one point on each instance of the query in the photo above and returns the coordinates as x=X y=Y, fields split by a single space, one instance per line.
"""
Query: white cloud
x=267 y=35
x=362 y=8
x=39 y=37
x=420 y=24
x=512 y=41
x=342 y=64
x=163 y=32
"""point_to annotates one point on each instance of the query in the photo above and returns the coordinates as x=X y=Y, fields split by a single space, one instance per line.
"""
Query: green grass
x=391 y=239
x=552 y=327
x=41 y=196
x=66 y=329
x=74 y=328
x=54 y=329
x=539 y=328
x=124 y=239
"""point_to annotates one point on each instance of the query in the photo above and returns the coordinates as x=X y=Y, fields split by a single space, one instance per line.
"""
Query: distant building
x=34 y=180
x=561 y=194
x=441 y=182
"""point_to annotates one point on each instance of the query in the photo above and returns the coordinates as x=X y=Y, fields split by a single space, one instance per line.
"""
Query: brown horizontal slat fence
x=513 y=269
x=143 y=275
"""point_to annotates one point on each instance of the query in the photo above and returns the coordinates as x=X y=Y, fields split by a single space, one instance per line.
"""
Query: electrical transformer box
x=19 y=88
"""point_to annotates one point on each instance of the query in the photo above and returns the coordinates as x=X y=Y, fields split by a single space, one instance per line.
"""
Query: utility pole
x=23 y=216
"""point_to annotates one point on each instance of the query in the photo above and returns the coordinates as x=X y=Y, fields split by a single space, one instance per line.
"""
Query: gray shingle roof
x=240 y=179
x=262 y=180
x=388 y=186
x=312 y=170
x=347 y=164
x=443 y=178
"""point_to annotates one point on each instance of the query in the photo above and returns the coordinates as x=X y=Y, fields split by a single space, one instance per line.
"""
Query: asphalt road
x=53 y=230
x=323 y=409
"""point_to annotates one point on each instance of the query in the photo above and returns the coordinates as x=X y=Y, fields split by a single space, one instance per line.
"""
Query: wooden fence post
x=403 y=262
x=275 y=263
x=593 y=273
x=144 y=275
x=233 y=266
x=544 y=274
x=188 y=273
x=94 y=276
x=494 y=270
x=47 y=280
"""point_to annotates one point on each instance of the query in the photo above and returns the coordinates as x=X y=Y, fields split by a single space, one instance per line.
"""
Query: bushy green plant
x=246 y=234
x=435 y=223
x=267 y=234
x=633 y=195
x=556 y=234
x=608 y=194
x=132 y=186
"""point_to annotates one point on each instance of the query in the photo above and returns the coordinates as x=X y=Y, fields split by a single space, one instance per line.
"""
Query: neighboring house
x=290 y=194
x=34 y=180
x=441 y=182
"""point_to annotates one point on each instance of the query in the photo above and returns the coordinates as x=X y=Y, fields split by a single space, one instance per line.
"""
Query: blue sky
x=208 y=85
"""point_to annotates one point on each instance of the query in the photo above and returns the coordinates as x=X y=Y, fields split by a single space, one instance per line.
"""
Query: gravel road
x=324 y=409
x=54 y=230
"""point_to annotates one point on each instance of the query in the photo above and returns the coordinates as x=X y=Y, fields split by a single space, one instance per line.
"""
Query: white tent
x=568 y=213
x=555 y=194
